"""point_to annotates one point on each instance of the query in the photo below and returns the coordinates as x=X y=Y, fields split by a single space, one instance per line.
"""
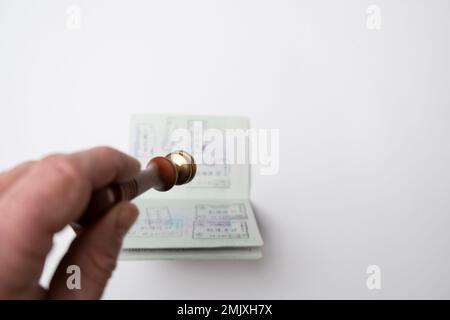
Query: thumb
x=95 y=252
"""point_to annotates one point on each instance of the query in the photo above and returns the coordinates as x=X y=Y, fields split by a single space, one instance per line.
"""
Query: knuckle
x=103 y=263
x=106 y=151
x=28 y=164
x=64 y=168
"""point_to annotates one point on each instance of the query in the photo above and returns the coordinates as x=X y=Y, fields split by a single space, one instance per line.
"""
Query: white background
x=363 y=117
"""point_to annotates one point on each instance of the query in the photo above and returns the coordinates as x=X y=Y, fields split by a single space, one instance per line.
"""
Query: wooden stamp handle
x=161 y=174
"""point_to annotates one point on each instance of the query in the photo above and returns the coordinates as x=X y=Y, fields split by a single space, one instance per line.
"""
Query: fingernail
x=126 y=218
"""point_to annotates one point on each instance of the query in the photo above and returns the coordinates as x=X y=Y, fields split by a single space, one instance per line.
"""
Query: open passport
x=209 y=218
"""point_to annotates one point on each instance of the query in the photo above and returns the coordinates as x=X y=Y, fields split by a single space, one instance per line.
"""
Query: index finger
x=103 y=165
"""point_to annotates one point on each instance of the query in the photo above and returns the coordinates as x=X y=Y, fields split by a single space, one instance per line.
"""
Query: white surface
x=363 y=118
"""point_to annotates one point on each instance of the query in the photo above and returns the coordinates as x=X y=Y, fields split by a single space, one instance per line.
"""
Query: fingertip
x=135 y=164
x=128 y=214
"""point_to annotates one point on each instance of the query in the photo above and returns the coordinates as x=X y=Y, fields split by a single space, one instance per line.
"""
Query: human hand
x=38 y=199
